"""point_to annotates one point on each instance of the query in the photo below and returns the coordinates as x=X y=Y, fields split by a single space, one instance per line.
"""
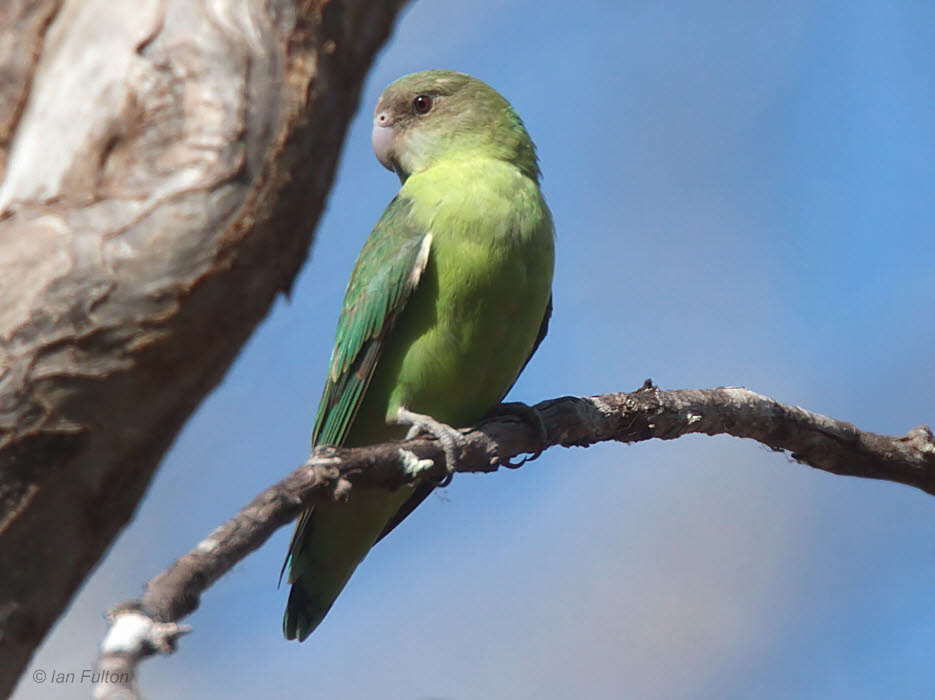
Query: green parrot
x=450 y=297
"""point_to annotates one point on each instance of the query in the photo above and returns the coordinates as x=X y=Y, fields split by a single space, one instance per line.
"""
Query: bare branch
x=331 y=473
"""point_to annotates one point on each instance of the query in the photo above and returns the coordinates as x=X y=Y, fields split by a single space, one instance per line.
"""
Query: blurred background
x=743 y=193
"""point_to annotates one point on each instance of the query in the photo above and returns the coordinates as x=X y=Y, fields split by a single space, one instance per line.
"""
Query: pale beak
x=383 y=138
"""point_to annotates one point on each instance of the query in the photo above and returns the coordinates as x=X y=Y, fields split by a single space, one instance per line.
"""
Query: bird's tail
x=329 y=542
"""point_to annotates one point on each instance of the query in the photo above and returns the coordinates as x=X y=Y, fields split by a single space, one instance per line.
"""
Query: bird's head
x=424 y=117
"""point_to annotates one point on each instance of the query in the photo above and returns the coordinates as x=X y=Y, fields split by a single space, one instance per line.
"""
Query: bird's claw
x=451 y=440
x=510 y=464
x=532 y=418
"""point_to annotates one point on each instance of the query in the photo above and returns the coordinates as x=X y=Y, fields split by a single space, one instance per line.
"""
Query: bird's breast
x=472 y=322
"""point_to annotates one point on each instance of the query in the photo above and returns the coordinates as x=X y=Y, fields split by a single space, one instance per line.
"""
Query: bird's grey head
x=424 y=116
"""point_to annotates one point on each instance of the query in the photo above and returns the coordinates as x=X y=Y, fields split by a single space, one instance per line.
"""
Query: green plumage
x=379 y=288
x=448 y=300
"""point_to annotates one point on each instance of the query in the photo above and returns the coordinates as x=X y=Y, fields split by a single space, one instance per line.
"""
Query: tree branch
x=331 y=473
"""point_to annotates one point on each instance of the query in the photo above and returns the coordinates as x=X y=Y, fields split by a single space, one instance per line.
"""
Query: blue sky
x=743 y=194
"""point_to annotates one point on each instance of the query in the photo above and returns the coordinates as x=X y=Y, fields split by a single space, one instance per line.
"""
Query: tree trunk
x=164 y=165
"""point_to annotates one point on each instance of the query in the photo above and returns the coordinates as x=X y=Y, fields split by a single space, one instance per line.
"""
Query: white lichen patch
x=207 y=545
x=602 y=405
x=127 y=634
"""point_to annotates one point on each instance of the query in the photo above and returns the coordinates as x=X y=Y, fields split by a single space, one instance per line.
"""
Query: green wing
x=387 y=271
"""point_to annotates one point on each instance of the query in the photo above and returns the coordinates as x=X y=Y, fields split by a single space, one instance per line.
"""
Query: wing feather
x=388 y=270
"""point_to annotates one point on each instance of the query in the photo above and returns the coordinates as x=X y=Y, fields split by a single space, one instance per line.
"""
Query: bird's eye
x=422 y=104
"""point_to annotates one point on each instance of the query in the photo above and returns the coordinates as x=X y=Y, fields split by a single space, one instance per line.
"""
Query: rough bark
x=164 y=164
x=149 y=626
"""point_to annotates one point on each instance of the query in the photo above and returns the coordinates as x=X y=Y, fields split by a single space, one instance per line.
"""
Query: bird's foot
x=452 y=441
x=532 y=418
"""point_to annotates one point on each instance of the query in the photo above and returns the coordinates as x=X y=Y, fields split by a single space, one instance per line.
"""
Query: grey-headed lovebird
x=449 y=299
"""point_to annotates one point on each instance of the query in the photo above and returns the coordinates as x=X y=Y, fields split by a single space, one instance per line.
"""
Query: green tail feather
x=303 y=614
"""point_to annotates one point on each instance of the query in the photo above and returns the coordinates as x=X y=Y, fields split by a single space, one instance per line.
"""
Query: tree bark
x=164 y=165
